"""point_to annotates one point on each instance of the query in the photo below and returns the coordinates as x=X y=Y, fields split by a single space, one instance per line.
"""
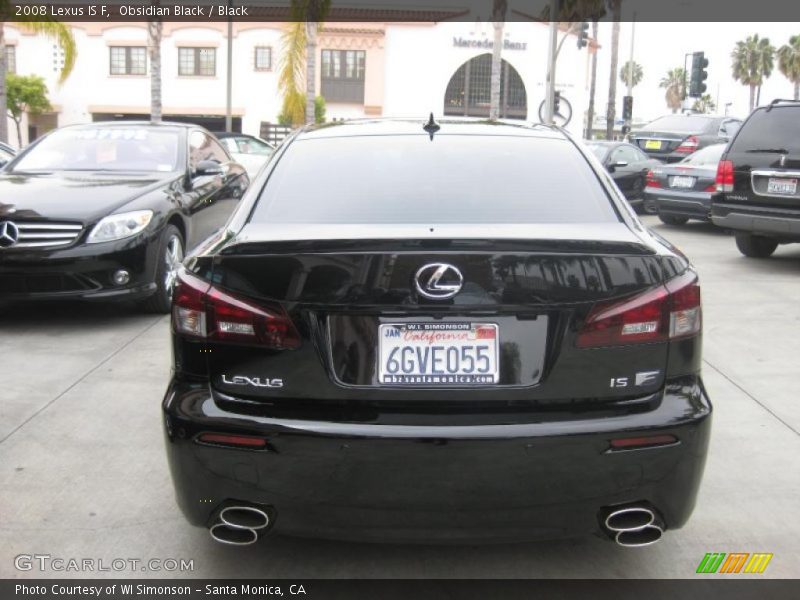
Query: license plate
x=681 y=181
x=652 y=145
x=782 y=186
x=438 y=354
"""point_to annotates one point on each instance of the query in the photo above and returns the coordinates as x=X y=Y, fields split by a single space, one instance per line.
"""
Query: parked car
x=674 y=137
x=249 y=151
x=436 y=346
x=104 y=211
x=683 y=191
x=758 y=177
x=6 y=154
x=628 y=167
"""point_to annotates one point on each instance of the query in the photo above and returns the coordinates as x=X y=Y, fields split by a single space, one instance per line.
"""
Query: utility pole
x=551 y=64
x=229 y=82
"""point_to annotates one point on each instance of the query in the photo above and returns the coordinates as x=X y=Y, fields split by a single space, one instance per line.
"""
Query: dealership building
x=365 y=69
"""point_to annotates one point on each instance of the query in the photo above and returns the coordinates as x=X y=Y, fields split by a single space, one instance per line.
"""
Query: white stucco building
x=365 y=69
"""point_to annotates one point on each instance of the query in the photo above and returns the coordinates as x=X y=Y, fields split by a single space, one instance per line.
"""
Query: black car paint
x=753 y=212
x=196 y=205
x=348 y=459
x=631 y=176
x=708 y=136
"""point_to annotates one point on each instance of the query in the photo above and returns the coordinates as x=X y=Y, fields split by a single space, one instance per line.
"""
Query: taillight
x=688 y=145
x=711 y=188
x=651 y=181
x=201 y=310
x=724 y=181
x=660 y=314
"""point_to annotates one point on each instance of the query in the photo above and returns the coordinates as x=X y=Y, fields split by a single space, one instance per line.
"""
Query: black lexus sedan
x=105 y=211
x=413 y=332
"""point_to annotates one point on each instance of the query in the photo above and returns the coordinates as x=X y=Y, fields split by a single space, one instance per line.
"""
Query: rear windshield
x=451 y=179
x=776 y=130
x=680 y=124
x=709 y=155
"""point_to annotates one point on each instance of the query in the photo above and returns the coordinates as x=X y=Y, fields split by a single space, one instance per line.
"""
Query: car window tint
x=624 y=154
x=709 y=155
x=450 y=179
x=776 y=129
x=203 y=147
x=117 y=148
x=680 y=124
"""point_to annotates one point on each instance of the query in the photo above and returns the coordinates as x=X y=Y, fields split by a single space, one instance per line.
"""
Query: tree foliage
x=789 y=62
x=25 y=94
x=752 y=62
x=638 y=73
x=675 y=85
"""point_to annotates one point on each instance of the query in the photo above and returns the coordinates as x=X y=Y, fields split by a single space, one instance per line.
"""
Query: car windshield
x=451 y=179
x=709 y=155
x=679 y=124
x=104 y=149
x=599 y=150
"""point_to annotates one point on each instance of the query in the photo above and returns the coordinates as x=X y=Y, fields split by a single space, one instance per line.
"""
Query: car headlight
x=117 y=227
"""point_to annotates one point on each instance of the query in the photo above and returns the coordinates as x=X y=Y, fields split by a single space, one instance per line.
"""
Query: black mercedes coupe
x=105 y=211
x=436 y=332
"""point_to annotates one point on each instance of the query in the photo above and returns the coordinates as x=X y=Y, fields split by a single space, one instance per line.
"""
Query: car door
x=623 y=165
x=212 y=196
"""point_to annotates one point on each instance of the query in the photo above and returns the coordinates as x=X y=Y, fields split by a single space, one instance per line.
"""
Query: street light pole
x=229 y=82
x=551 y=64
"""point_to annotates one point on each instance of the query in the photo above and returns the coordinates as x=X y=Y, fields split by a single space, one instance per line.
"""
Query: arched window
x=469 y=91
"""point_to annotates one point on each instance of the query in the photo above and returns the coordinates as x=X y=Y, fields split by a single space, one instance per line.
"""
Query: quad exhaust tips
x=239 y=525
x=633 y=526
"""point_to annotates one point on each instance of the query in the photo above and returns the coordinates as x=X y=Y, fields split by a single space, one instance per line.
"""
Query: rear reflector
x=224 y=439
x=724 y=181
x=643 y=442
x=660 y=314
x=203 y=311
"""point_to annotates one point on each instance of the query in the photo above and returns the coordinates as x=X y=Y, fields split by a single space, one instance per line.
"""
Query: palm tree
x=636 y=79
x=789 y=63
x=611 y=112
x=675 y=84
x=154 y=31
x=60 y=32
x=753 y=60
x=299 y=61
x=499 y=8
x=704 y=104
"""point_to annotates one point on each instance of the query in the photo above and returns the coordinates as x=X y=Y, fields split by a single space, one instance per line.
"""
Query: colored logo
x=735 y=562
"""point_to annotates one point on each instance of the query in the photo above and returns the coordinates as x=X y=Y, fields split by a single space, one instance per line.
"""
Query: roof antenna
x=431 y=127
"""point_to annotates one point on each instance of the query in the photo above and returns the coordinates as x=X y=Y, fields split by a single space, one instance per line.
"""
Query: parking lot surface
x=83 y=472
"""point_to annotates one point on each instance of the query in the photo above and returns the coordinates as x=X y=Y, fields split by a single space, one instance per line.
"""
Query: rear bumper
x=406 y=482
x=695 y=205
x=780 y=223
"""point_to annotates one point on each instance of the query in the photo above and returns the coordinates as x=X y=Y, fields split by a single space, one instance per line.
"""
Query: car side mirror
x=207 y=168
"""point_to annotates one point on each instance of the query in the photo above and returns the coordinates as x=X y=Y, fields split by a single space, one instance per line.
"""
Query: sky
x=659 y=47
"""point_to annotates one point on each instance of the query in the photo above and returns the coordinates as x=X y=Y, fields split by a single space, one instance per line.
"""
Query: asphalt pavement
x=83 y=473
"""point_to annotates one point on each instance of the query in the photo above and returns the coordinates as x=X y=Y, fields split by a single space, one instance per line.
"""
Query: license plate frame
x=652 y=144
x=432 y=369
x=683 y=182
x=782 y=186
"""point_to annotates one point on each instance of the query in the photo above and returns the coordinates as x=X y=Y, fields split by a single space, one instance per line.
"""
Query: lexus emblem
x=9 y=234
x=438 y=281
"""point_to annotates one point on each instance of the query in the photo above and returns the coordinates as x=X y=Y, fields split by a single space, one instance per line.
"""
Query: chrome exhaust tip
x=244 y=517
x=646 y=536
x=634 y=526
x=632 y=518
x=233 y=536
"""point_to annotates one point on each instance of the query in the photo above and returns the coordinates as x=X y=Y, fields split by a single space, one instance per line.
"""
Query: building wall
x=408 y=67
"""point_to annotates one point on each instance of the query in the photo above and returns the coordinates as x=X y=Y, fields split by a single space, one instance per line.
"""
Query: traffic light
x=699 y=75
x=583 y=35
x=627 y=108
x=556 y=101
